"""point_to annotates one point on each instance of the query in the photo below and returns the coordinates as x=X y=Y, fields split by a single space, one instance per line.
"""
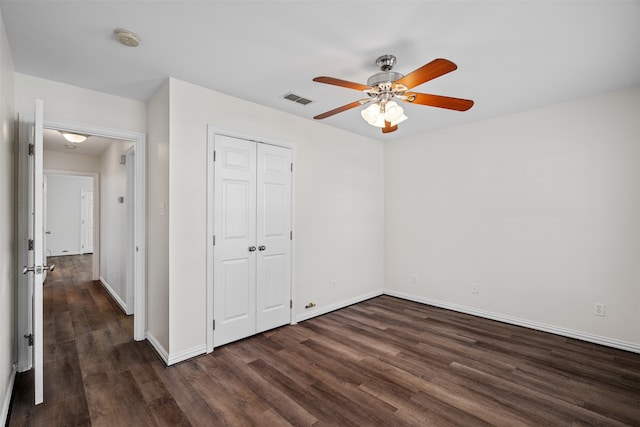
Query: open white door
x=35 y=247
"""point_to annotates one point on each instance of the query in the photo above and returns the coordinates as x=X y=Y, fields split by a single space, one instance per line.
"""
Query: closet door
x=234 y=299
x=273 y=282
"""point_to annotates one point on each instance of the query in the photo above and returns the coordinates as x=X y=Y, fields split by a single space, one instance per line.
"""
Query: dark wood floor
x=383 y=362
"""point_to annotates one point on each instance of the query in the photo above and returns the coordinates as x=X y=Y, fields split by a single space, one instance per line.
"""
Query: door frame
x=130 y=194
x=140 y=291
x=211 y=133
x=82 y=227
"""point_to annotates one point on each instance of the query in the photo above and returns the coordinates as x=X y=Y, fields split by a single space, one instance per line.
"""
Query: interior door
x=235 y=249
x=35 y=233
x=273 y=281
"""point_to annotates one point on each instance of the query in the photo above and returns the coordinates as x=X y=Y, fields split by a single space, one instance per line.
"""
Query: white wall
x=338 y=194
x=158 y=218
x=64 y=213
x=113 y=219
x=7 y=227
x=68 y=103
x=54 y=160
x=540 y=209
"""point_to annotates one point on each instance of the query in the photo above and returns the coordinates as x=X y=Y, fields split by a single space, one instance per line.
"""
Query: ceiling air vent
x=296 y=98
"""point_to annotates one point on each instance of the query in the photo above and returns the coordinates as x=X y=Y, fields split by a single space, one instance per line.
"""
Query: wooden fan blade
x=436 y=68
x=341 y=109
x=388 y=128
x=449 y=103
x=343 y=83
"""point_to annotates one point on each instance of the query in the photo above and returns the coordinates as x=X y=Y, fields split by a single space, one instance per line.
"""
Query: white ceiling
x=92 y=146
x=511 y=55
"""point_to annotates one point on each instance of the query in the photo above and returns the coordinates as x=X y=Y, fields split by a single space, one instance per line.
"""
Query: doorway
x=126 y=164
x=138 y=251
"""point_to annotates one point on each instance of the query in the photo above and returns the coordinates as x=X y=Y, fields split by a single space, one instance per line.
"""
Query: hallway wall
x=113 y=221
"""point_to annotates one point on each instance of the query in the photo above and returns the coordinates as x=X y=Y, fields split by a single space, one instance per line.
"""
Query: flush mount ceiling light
x=385 y=87
x=126 y=37
x=76 y=138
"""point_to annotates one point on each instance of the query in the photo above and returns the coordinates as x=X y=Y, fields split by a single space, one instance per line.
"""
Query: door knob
x=262 y=247
x=252 y=248
x=38 y=268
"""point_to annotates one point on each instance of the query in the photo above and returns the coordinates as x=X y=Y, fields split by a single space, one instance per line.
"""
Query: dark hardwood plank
x=382 y=362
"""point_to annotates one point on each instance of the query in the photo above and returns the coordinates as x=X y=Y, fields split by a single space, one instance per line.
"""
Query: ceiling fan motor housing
x=384 y=77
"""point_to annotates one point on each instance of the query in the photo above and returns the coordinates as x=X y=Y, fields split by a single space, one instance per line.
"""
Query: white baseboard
x=159 y=349
x=583 y=336
x=319 y=311
x=113 y=294
x=187 y=354
x=6 y=402
x=177 y=357
x=65 y=254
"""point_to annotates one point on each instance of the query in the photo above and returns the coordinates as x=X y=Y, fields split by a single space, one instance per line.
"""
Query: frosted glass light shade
x=74 y=137
x=393 y=111
x=370 y=114
x=400 y=119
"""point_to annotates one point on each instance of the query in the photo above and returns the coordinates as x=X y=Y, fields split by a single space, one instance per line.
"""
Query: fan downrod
x=386 y=62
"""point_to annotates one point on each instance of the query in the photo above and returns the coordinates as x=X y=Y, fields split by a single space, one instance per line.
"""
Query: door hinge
x=214 y=324
x=290 y=303
x=214 y=240
x=29 y=339
x=30 y=245
x=31 y=149
x=291 y=235
x=214 y=155
x=291 y=167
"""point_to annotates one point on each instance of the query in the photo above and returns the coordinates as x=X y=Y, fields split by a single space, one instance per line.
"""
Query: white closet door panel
x=235 y=228
x=273 y=237
x=275 y=281
x=235 y=215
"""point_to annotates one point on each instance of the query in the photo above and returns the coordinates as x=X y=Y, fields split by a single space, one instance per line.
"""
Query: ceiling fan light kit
x=377 y=114
x=385 y=87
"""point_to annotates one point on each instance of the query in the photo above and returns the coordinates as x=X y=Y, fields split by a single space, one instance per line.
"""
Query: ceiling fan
x=387 y=86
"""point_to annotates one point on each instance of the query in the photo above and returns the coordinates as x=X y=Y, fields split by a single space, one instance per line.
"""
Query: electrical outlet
x=414 y=279
x=474 y=288
x=598 y=309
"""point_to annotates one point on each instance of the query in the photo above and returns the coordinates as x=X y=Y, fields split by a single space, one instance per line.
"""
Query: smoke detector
x=126 y=37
